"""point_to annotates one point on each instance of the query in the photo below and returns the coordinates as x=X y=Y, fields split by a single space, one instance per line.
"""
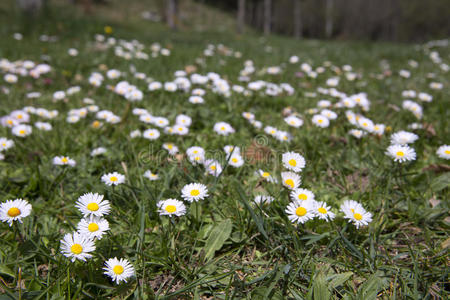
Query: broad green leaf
x=441 y=182
x=219 y=234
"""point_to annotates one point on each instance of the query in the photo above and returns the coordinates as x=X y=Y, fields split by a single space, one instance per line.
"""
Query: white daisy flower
x=302 y=195
x=22 y=130
x=171 y=207
x=331 y=115
x=293 y=161
x=14 y=210
x=150 y=175
x=378 y=129
x=212 y=167
x=197 y=159
x=63 y=161
x=270 y=130
x=171 y=148
x=194 y=192
x=300 y=212
x=263 y=199
x=356 y=213
x=249 y=116
x=365 y=124
x=195 y=150
x=151 y=134
x=236 y=160
x=401 y=153
x=135 y=133
x=93 y=204
x=223 y=128
x=290 y=180
x=43 y=126
x=283 y=136
x=98 y=151
x=266 y=175
x=77 y=246
x=230 y=149
x=443 y=152
x=357 y=133
x=321 y=121
x=403 y=138
x=196 y=100
x=161 y=122
x=323 y=211
x=113 y=178
x=183 y=120
x=180 y=130
x=93 y=227
x=293 y=121
x=5 y=144
x=118 y=269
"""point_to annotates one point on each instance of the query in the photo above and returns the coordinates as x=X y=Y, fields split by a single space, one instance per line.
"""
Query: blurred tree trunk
x=297 y=19
x=329 y=18
x=267 y=16
x=241 y=16
x=171 y=13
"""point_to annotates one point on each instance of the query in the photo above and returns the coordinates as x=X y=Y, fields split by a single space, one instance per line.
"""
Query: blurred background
x=385 y=20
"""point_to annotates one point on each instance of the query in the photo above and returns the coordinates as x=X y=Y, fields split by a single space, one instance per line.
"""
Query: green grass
x=225 y=246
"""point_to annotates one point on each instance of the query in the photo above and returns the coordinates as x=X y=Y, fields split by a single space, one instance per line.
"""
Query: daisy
x=356 y=213
x=293 y=161
x=378 y=129
x=196 y=100
x=77 y=246
x=230 y=149
x=249 y=116
x=63 y=161
x=401 y=153
x=113 y=178
x=14 y=210
x=195 y=150
x=266 y=175
x=93 y=204
x=180 y=130
x=183 y=120
x=236 y=160
x=321 y=121
x=98 y=151
x=283 y=136
x=365 y=124
x=357 y=133
x=151 y=134
x=171 y=148
x=197 y=159
x=263 y=199
x=213 y=167
x=171 y=207
x=322 y=211
x=443 y=152
x=93 y=227
x=270 y=130
x=43 y=126
x=294 y=121
x=135 y=133
x=22 y=130
x=300 y=212
x=5 y=144
x=223 y=128
x=302 y=195
x=160 y=122
x=331 y=115
x=290 y=180
x=118 y=269
x=403 y=137
x=194 y=192
x=150 y=175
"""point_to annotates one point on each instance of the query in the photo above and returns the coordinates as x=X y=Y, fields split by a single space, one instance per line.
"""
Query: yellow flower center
x=272 y=131
x=300 y=211
x=213 y=167
x=320 y=121
x=292 y=162
x=113 y=178
x=4 y=144
x=365 y=124
x=234 y=159
x=376 y=128
x=171 y=208
x=265 y=174
x=10 y=122
x=400 y=153
x=170 y=146
x=357 y=216
x=292 y=122
x=197 y=158
x=13 y=212
x=180 y=128
x=447 y=151
x=222 y=128
x=92 y=206
x=22 y=132
x=302 y=197
x=19 y=117
x=96 y=124
x=195 y=193
x=289 y=182
x=322 y=210
x=64 y=160
x=195 y=151
x=118 y=270
x=76 y=248
x=93 y=227
x=352 y=210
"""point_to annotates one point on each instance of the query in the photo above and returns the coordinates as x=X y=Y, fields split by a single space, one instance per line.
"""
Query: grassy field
x=225 y=246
